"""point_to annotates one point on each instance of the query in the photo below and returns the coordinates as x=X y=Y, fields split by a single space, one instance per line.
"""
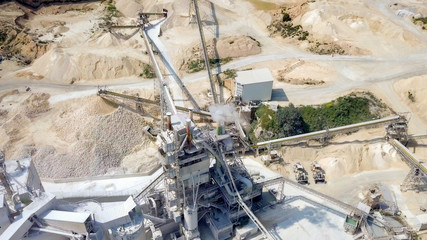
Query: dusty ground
x=70 y=131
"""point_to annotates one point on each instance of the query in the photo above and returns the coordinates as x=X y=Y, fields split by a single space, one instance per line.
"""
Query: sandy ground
x=71 y=132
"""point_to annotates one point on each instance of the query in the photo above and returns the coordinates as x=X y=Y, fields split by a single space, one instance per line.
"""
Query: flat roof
x=55 y=215
x=254 y=76
x=116 y=212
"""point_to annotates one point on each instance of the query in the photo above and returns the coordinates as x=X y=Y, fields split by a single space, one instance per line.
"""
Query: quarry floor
x=67 y=131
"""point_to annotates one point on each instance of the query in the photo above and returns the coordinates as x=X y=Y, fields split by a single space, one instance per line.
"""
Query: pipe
x=57 y=232
x=19 y=167
x=191 y=109
x=153 y=203
x=189 y=137
x=155 y=219
x=169 y=116
x=247 y=183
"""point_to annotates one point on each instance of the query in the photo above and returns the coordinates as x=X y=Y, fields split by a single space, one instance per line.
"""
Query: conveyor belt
x=205 y=52
x=329 y=132
x=106 y=93
x=410 y=158
x=150 y=186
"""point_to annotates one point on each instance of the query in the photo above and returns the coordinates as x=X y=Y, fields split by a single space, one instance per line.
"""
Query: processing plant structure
x=202 y=179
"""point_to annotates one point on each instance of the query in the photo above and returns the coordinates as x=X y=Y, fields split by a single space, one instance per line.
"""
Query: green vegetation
x=291 y=120
x=420 y=21
x=411 y=96
x=111 y=11
x=3 y=37
x=230 y=73
x=286 y=29
x=199 y=64
x=148 y=72
x=326 y=49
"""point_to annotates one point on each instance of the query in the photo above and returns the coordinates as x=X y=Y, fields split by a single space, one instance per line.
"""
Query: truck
x=318 y=173
x=273 y=157
x=300 y=174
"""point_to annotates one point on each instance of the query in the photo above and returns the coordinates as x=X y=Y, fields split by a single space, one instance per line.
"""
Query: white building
x=253 y=85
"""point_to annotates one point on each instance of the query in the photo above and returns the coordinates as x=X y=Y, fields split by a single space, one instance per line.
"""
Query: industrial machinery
x=318 y=173
x=300 y=174
x=194 y=4
x=203 y=178
x=273 y=157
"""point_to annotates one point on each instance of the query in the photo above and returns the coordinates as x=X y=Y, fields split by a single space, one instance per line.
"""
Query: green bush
x=291 y=120
x=230 y=73
x=3 y=37
x=199 y=64
x=286 y=17
x=148 y=72
x=411 y=96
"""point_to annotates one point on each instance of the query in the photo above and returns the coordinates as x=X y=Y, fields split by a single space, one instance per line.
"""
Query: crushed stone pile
x=102 y=142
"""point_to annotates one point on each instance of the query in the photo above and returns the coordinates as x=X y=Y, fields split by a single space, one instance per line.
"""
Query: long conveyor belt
x=205 y=52
x=106 y=93
x=149 y=187
x=329 y=132
x=410 y=158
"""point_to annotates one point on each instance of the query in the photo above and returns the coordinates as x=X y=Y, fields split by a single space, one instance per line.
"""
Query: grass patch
x=111 y=11
x=230 y=73
x=411 y=96
x=285 y=27
x=198 y=65
x=291 y=120
x=326 y=49
x=422 y=20
x=3 y=37
x=148 y=72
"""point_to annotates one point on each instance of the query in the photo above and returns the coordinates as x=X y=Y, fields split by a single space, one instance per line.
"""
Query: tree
x=289 y=121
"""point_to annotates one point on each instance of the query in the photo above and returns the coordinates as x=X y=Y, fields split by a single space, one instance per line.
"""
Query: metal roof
x=78 y=217
x=254 y=76
x=116 y=212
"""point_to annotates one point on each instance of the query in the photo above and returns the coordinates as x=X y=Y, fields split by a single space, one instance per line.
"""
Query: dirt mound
x=234 y=46
x=237 y=46
x=374 y=32
x=412 y=92
x=36 y=104
x=98 y=146
x=129 y=8
x=341 y=160
x=61 y=65
x=83 y=137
